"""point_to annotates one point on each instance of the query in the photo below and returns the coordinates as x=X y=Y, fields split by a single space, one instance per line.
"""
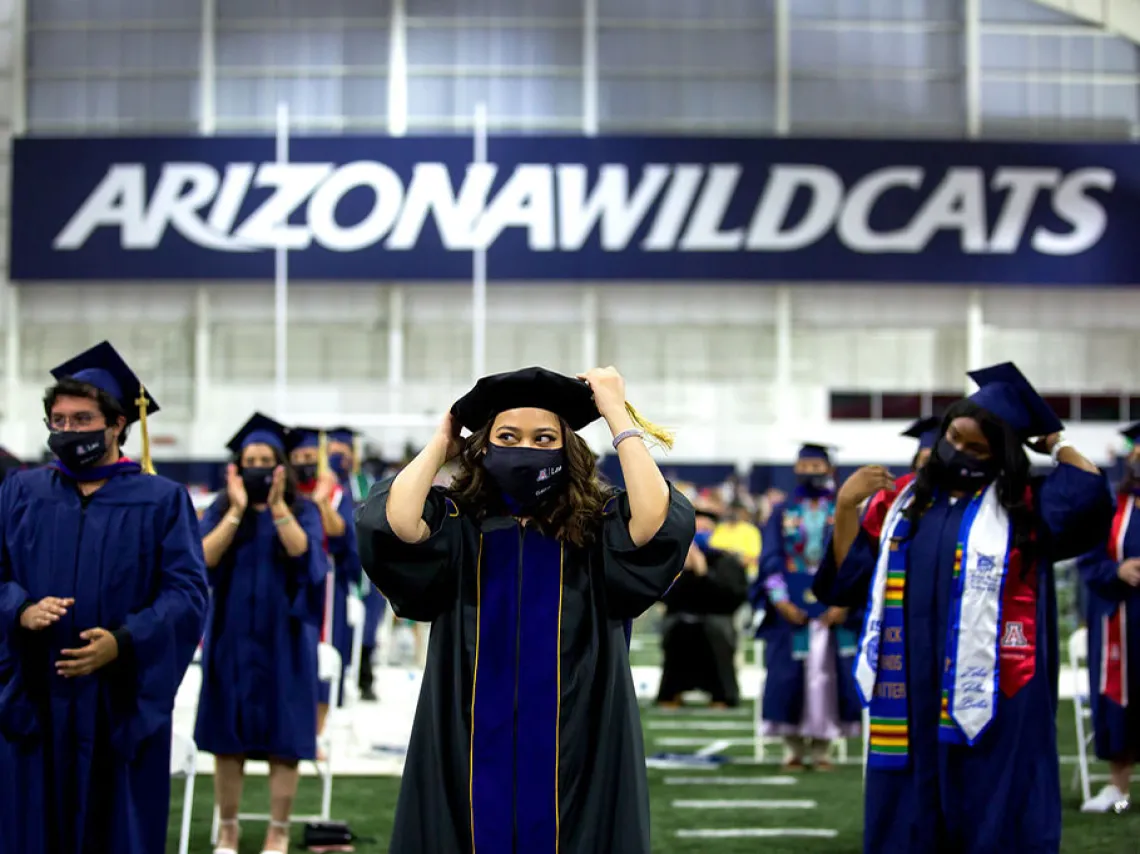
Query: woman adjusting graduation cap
x=102 y=595
x=958 y=656
x=527 y=735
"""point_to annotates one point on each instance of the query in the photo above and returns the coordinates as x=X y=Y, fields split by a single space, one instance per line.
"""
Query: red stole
x=1018 y=649
x=1114 y=627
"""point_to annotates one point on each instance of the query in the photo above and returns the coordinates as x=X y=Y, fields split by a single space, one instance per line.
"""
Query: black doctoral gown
x=527 y=735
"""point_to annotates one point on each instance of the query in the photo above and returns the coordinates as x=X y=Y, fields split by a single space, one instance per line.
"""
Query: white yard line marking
x=696 y=711
x=726 y=726
x=715 y=748
x=740 y=804
x=758 y=833
x=671 y=741
x=731 y=781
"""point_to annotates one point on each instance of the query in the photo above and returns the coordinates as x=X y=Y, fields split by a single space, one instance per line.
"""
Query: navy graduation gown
x=85 y=762
x=1116 y=728
x=937 y=804
x=259 y=662
x=527 y=735
x=785 y=680
x=346 y=581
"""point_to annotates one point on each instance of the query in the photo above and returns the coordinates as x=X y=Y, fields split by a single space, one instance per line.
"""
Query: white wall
x=704 y=359
x=742 y=371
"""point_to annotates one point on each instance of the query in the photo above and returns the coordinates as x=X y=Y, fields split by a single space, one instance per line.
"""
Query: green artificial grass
x=368 y=804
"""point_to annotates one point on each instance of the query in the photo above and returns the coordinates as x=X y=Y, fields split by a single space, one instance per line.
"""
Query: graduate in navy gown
x=347 y=456
x=322 y=486
x=958 y=656
x=1111 y=574
x=267 y=569
x=102 y=600
x=809 y=692
x=527 y=736
x=926 y=431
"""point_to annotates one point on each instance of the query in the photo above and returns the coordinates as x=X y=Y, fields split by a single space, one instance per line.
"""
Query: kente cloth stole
x=806 y=527
x=1114 y=627
x=975 y=639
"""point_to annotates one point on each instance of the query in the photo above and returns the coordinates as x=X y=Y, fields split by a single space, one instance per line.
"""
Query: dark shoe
x=367 y=695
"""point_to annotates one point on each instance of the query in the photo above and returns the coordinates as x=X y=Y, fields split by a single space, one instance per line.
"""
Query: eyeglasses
x=80 y=421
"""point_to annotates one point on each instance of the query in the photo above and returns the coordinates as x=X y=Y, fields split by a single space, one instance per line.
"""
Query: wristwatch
x=1061 y=442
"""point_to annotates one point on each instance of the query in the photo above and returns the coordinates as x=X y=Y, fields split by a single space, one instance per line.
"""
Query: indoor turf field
x=734 y=809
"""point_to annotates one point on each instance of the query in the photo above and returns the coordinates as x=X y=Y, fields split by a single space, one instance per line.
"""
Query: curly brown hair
x=574 y=517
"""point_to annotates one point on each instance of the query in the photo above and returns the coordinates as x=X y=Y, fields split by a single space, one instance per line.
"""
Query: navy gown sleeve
x=638 y=576
x=1076 y=509
x=164 y=634
x=210 y=519
x=344 y=548
x=1099 y=572
x=310 y=569
x=419 y=579
x=17 y=714
x=773 y=559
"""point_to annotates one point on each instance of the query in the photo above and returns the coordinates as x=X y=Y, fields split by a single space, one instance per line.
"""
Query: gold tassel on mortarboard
x=658 y=434
x=142 y=402
x=322 y=453
x=357 y=453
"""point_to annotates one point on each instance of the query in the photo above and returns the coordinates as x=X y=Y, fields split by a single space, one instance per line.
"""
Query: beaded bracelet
x=627 y=434
x=284 y=520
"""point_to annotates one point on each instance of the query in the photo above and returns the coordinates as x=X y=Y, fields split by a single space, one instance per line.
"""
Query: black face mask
x=814 y=484
x=306 y=472
x=527 y=476
x=257 y=482
x=79 y=449
x=960 y=471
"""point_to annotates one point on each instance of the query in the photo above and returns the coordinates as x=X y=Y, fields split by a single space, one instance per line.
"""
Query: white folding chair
x=328 y=670
x=836 y=750
x=184 y=765
x=355 y=616
x=1082 y=712
x=759 y=740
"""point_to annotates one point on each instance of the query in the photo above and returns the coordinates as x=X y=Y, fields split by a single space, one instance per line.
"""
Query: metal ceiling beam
x=1120 y=17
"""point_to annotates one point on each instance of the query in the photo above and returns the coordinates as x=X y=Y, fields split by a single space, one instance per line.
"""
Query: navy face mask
x=257 y=483
x=962 y=472
x=306 y=472
x=528 y=477
x=814 y=485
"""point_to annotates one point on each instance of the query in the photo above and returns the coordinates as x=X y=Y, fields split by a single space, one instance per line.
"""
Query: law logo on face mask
x=527 y=476
x=78 y=449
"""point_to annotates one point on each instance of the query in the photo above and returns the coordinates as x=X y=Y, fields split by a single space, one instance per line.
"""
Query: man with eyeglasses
x=102 y=599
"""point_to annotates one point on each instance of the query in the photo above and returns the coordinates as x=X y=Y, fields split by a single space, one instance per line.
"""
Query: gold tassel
x=357 y=453
x=143 y=403
x=659 y=435
x=322 y=453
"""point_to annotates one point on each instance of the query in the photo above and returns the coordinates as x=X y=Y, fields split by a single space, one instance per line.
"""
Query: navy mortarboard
x=1005 y=392
x=102 y=367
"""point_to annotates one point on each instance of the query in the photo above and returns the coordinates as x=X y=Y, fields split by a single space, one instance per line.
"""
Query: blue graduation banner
x=575 y=208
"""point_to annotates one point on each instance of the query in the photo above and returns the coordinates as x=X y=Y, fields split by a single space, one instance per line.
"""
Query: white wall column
x=202 y=441
x=975 y=335
x=782 y=34
x=398 y=68
x=591 y=320
x=590 y=67
x=207 y=70
x=972 y=36
x=396 y=350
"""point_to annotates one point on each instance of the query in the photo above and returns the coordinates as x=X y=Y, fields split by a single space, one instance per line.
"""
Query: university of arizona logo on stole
x=1014 y=636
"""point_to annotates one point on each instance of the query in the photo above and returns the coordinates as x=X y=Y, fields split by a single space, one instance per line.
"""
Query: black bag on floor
x=328 y=836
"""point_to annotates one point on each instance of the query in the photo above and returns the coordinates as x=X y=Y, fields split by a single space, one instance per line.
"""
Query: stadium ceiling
x=1119 y=17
